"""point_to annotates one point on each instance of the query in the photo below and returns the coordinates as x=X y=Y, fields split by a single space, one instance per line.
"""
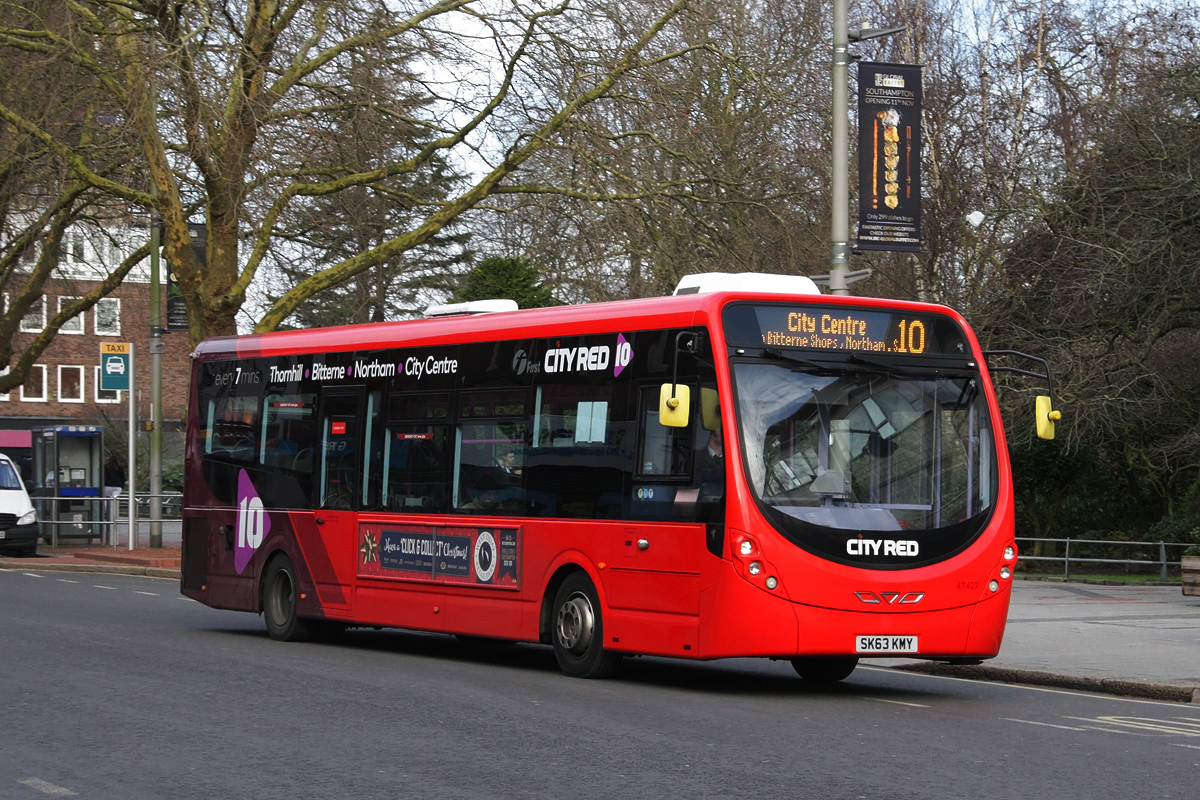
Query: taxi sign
x=115 y=366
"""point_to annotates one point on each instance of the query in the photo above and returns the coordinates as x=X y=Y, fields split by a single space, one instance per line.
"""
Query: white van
x=18 y=520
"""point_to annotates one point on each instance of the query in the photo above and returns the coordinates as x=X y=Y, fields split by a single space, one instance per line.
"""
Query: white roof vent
x=745 y=282
x=473 y=307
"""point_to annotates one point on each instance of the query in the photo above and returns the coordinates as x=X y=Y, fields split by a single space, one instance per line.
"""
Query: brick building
x=63 y=388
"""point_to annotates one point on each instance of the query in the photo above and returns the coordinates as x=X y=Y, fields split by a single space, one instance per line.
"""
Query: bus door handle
x=643 y=544
x=320 y=520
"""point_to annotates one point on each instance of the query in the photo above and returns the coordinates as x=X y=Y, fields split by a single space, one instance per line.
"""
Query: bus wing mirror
x=710 y=409
x=674 y=400
x=1046 y=415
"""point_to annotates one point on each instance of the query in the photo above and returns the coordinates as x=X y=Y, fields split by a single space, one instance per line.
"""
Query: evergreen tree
x=505 y=278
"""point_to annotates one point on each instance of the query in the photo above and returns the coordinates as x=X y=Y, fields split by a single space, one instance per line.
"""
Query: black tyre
x=825 y=670
x=578 y=630
x=29 y=552
x=279 y=603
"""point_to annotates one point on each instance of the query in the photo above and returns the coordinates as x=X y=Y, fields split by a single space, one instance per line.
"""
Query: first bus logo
x=253 y=524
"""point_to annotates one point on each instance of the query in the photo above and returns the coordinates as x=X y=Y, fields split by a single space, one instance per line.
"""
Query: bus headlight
x=772 y=582
x=754 y=567
x=1009 y=553
x=747 y=547
x=1005 y=572
x=993 y=585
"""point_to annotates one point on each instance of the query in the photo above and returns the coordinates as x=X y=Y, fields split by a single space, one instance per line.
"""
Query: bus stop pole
x=132 y=448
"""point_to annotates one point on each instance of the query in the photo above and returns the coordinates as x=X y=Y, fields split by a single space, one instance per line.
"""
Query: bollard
x=1067 y=563
x=1162 y=561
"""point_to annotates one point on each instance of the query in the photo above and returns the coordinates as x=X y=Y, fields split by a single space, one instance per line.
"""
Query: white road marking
x=1190 y=727
x=64 y=580
x=190 y=600
x=98 y=586
x=32 y=575
x=1043 y=724
x=1188 y=746
x=894 y=702
x=46 y=787
x=152 y=594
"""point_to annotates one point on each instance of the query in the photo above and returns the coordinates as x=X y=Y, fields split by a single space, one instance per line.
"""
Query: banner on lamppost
x=177 y=318
x=889 y=157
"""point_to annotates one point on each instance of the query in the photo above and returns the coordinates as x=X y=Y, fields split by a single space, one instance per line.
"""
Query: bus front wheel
x=578 y=634
x=825 y=670
x=279 y=603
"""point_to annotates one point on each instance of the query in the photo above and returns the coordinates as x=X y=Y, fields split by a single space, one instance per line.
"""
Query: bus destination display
x=843 y=329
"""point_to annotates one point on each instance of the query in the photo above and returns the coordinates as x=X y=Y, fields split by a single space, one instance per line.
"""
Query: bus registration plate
x=885 y=644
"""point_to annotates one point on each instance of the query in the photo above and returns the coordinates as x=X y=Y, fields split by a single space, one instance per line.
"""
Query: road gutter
x=1151 y=691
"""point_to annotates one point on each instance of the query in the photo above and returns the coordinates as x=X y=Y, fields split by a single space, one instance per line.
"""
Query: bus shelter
x=68 y=480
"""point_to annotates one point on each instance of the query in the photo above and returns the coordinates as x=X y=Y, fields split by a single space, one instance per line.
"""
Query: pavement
x=1128 y=640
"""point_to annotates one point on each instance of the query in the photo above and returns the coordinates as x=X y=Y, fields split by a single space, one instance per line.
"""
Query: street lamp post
x=839 y=264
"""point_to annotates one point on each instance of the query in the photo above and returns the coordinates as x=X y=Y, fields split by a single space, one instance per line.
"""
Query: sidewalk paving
x=1132 y=640
x=162 y=562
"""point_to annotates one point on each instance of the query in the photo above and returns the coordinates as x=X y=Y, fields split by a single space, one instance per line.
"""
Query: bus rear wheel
x=578 y=634
x=279 y=603
x=825 y=670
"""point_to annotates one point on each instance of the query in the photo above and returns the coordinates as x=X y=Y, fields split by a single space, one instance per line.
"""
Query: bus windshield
x=833 y=449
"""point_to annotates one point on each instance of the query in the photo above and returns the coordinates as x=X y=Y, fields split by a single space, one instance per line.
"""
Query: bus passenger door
x=337 y=488
x=655 y=575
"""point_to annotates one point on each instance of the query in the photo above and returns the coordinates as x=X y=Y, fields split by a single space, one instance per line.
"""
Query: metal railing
x=99 y=516
x=1067 y=559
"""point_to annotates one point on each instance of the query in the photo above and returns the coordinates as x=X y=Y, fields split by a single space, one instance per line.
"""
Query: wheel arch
x=565 y=565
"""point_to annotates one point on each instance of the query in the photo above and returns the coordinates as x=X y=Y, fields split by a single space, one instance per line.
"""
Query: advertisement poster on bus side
x=474 y=556
x=889 y=157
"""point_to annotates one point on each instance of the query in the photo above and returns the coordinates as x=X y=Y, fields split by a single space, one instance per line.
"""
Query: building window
x=70 y=384
x=4 y=372
x=35 y=320
x=34 y=389
x=108 y=316
x=77 y=247
x=104 y=395
x=74 y=324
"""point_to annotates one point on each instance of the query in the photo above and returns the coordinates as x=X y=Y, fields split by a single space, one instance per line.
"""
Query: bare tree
x=40 y=200
x=225 y=99
x=712 y=161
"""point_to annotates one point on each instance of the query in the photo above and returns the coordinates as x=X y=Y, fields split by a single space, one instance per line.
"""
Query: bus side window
x=231 y=428
x=416 y=453
x=491 y=425
x=339 y=475
x=665 y=452
x=289 y=432
x=575 y=467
